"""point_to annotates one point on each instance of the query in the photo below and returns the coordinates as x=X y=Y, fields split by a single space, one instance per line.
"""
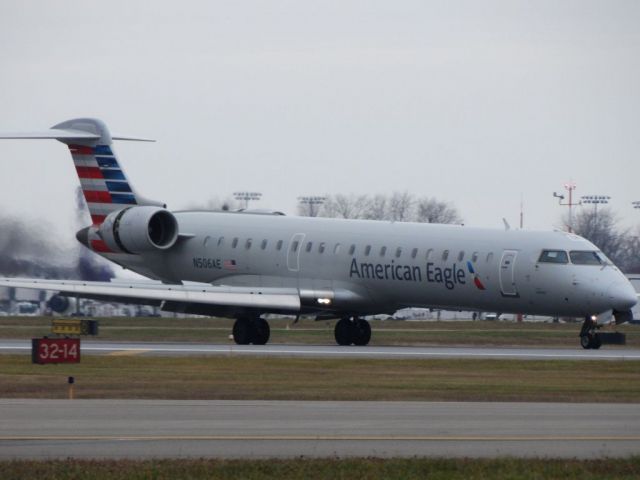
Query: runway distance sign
x=75 y=326
x=55 y=350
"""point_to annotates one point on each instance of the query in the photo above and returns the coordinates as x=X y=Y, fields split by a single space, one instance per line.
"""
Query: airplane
x=247 y=264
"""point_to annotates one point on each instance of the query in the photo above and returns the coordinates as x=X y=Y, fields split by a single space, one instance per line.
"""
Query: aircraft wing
x=268 y=299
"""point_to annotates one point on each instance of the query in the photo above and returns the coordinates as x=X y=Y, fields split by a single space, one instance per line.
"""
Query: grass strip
x=217 y=330
x=354 y=468
x=276 y=378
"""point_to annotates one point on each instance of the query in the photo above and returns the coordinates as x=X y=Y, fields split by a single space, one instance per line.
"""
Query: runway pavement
x=250 y=429
x=182 y=349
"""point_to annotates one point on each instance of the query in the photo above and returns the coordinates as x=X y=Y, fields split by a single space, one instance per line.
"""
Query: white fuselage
x=378 y=267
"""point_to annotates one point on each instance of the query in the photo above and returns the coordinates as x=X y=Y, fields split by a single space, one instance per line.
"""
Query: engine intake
x=62 y=305
x=139 y=230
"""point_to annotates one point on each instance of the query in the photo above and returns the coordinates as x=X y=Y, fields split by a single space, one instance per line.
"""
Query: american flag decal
x=229 y=264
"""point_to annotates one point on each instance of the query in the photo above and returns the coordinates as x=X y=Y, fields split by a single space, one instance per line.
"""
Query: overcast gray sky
x=473 y=102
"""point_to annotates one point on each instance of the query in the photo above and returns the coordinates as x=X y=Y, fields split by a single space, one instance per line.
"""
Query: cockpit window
x=553 y=256
x=580 y=257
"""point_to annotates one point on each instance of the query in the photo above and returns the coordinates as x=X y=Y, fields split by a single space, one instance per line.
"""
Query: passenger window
x=264 y=244
x=206 y=241
x=247 y=245
x=220 y=241
x=461 y=256
x=352 y=249
x=294 y=246
x=398 y=252
x=383 y=251
x=474 y=257
x=414 y=253
x=429 y=254
x=336 y=249
x=234 y=244
x=584 y=258
x=553 y=256
x=367 y=250
x=489 y=256
x=445 y=255
x=279 y=245
x=321 y=247
x=309 y=246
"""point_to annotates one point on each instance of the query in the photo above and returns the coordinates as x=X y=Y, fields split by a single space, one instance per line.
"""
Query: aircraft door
x=507 y=273
x=293 y=252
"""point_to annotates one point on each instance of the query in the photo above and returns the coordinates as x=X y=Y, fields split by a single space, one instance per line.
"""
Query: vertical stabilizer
x=105 y=185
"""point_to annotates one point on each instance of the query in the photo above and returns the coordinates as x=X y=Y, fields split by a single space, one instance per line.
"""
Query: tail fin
x=104 y=183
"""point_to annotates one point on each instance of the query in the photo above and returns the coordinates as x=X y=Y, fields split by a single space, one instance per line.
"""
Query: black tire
x=343 y=332
x=596 y=342
x=362 y=332
x=262 y=332
x=243 y=331
x=586 y=341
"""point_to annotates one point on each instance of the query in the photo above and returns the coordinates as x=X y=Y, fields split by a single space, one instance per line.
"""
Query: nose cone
x=622 y=296
x=83 y=236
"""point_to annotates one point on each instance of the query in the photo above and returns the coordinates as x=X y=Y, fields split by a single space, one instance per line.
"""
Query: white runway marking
x=185 y=349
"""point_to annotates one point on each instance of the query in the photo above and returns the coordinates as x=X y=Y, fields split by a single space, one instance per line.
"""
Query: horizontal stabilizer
x=59 y=134
x=53 y=134
x=115 y=136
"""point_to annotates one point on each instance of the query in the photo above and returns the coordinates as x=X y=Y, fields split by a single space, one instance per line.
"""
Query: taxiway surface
x=251 y=429
x=169 y=349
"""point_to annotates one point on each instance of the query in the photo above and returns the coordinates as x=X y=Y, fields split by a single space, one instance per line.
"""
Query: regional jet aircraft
x=248 y=264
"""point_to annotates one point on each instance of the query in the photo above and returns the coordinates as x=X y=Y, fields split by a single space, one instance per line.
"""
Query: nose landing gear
x=589 y=337
x=352 y=331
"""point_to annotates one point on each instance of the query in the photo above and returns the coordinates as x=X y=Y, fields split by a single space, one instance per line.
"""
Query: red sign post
x=55 y=350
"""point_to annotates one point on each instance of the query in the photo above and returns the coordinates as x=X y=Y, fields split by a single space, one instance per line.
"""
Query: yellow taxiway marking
x=407 y=438
x=127 y=353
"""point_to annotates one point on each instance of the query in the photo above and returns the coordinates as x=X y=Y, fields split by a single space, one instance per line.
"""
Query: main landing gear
x=248 y=330
x=352 y=331
x=589 y=337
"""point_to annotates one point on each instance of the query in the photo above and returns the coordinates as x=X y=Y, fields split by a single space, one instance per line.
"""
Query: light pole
x=570 y=187
x=595 y=200
x=247 y=197
x=311 y=201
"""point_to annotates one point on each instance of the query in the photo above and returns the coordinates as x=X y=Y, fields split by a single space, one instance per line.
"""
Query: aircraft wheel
x=362 y=332
x=342 y=332
x=262 y=332
x=588 y=336
x=243 y=331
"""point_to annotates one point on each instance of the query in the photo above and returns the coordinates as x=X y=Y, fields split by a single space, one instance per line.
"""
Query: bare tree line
x=601 y=227
x=399 y=207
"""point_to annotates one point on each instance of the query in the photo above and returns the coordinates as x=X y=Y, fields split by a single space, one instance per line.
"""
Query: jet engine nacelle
x=62 y=305
x=139 y=230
